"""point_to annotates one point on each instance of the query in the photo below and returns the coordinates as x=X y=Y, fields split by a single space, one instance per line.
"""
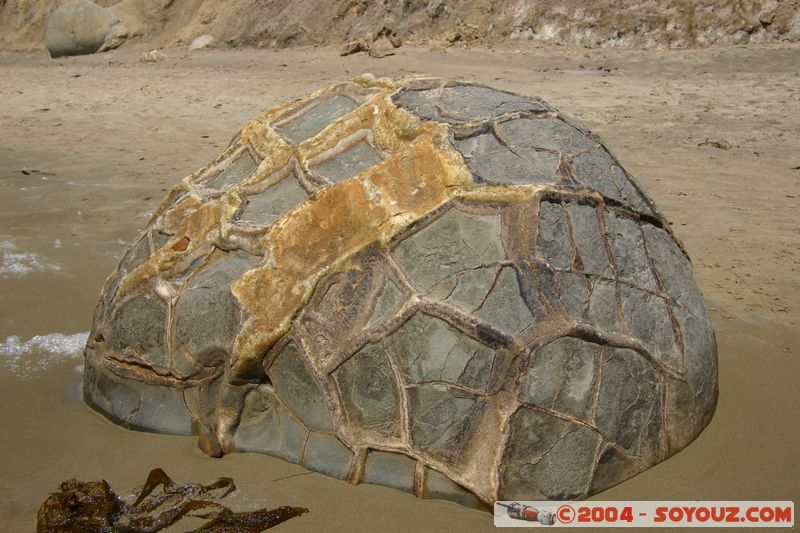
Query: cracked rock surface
x=430 y=285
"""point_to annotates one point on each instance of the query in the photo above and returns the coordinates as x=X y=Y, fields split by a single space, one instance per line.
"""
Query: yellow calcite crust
x=420 y=173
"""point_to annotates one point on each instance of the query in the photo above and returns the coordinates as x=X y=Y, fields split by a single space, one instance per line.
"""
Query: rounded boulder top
x=432 y=285
x=80 y=27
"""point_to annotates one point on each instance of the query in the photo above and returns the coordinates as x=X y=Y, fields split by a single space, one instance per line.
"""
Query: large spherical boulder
x=82 y=27
x=436 y=286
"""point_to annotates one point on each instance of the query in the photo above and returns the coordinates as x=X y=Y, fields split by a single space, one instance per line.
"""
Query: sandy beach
x=89 y=145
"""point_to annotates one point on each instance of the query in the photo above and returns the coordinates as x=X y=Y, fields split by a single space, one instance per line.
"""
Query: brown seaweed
x=249 y=522
x=94 y=507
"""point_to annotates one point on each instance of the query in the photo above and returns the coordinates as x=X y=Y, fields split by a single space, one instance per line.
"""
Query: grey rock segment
x=117 y=399
x=299 y=389
x=628 y=400
x=326 y=454
x=440 y=487
x=527 y=150
x=140 y=326
x=460 y=103
x=370 y=396
x=137 y=255
x=494 y=162
x=442 y=419
x=349 y=163
x=598 y=170
x=267 y=427
x=627 y=246
x=467 y=289
x=547 y=457
x=266 y=207
x=237 y=170
x=588 y=240
x=140 y=406
x=160 y=239
x=206 y=316
x=162 y=410
x=388 y=300
x=603 y=306
x=390 y=469
x=551 y=134
x=575 y=293
x=429 y=349
x=649 y=320
x=504 y=307
x=674 y=271
x=563 y=376
x=701 y=366
x=455 y=242
x=554 y=239
x=315 y=119
x=612 y=467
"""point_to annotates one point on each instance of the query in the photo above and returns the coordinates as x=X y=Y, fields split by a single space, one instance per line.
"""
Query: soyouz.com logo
x=644 y=514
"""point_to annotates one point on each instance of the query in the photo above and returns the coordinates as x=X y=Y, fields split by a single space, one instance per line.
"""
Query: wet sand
x=111 y=135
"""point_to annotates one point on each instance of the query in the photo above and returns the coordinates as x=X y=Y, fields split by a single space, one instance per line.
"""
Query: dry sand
x=111 y=134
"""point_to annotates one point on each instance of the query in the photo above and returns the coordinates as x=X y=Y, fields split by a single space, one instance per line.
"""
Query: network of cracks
x=494 y=348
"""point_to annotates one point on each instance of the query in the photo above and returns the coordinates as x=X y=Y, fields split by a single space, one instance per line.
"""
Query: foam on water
x=25 y=358
x=19 y=263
